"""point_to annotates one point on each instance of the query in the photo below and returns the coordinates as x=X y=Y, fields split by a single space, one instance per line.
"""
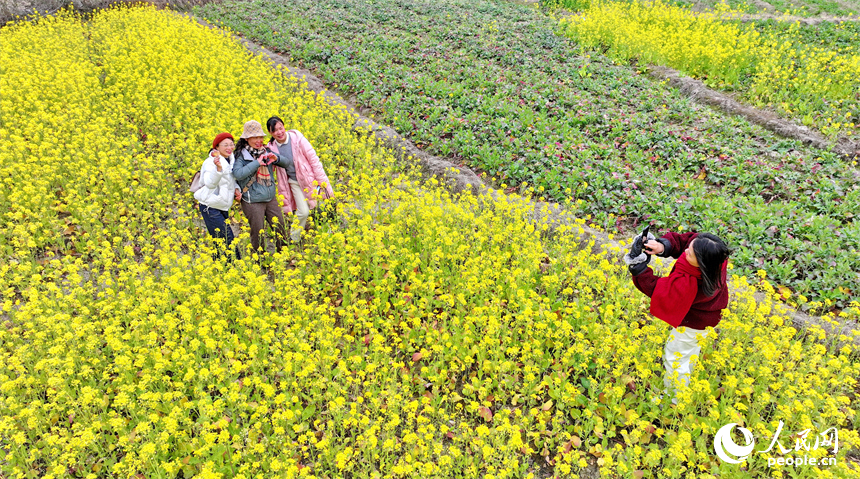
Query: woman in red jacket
x=692 y=297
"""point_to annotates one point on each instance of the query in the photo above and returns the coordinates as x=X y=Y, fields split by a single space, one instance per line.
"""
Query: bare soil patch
x=812 y=21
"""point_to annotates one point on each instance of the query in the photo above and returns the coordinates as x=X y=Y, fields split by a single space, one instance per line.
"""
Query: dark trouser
x=256 y=213
x=216 y=223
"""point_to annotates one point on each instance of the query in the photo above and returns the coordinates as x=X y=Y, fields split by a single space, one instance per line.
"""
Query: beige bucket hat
x=251 y=129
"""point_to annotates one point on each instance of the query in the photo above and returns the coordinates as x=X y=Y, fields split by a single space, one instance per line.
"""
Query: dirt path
x=754 y=17
x=768 y=13
x=700 y=93
x=763 y=5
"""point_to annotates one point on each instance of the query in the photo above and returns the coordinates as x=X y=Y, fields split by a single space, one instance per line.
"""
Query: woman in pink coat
x=296 y=181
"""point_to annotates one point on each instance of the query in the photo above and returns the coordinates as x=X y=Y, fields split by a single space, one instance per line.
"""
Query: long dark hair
x=711 y=252
x=241 y=144
x=271 y=123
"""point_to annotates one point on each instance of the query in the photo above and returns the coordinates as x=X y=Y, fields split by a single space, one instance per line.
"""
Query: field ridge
x=755 y=17
x=704 y=95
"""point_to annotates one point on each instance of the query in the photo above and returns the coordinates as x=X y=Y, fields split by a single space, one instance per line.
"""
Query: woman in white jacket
x=219 y=189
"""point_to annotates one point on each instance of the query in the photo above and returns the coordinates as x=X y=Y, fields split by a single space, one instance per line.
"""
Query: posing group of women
x=256 y=173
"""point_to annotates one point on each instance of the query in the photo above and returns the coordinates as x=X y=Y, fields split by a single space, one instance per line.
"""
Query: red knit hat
x=221 y=137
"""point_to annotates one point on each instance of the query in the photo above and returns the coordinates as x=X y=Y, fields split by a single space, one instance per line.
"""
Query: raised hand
x=654 y=247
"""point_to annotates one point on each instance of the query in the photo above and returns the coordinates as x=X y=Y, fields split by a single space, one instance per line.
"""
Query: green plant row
x=842 y=37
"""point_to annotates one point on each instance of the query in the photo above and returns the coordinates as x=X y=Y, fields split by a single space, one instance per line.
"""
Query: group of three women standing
x=246 y=171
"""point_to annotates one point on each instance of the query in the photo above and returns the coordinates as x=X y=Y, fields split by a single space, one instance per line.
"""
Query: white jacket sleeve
x=210 y=174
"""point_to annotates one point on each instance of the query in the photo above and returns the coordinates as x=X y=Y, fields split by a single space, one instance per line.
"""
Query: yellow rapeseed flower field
x=700 y=44
x=423 y=334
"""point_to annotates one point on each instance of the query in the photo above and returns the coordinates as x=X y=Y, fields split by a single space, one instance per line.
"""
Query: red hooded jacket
x=676 y=299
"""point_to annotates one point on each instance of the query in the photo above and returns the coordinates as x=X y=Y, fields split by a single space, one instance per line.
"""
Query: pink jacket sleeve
x=314 y=160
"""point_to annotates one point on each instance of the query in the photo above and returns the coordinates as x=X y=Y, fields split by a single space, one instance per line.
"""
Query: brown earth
x=812 y=21
x=700 y=93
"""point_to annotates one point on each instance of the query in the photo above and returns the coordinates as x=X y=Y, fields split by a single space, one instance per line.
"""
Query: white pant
x=680 y=347
x=302 y=210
